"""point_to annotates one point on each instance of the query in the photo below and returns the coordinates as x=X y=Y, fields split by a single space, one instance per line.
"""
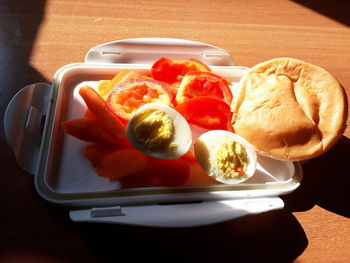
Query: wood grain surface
x=38 y=37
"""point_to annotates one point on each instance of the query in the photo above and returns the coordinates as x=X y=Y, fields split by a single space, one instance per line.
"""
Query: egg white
x=182 y=132
x=208 y=144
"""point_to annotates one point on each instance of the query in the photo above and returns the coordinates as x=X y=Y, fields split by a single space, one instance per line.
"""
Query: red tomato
x=207 y=112
x=195 y=84
x=127 y=97
x=171 y=70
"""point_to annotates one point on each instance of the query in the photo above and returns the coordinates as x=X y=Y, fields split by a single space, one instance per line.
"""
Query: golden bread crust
x=289 y=109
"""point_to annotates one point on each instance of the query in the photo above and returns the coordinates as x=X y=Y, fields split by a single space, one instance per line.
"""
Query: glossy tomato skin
x=195 y=84
x=127 y=97
x=207 y=112
x=172 y=70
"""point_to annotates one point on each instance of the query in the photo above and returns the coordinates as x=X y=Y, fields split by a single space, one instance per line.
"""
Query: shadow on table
x=274 y=236
x=326 y=182
x=19 y=24
x=337 y=10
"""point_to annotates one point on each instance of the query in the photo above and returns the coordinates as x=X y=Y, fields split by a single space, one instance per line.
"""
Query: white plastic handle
x=23 y=123
x=178 y=215
x=148 y=50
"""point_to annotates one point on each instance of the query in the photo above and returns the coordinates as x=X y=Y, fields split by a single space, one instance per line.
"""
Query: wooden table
x=38 y=37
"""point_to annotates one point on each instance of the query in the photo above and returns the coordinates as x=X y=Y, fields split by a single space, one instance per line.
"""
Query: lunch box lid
x=25 y=129
x=148 y=50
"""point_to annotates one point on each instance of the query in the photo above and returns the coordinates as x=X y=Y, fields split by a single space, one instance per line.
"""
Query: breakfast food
x=207 y=112
x=289 y=109
x=128 y=96
x=156 y=128
x=198 y=83
x=173 y=70
x=159 y=131
x=139 y=134
x=225 y=156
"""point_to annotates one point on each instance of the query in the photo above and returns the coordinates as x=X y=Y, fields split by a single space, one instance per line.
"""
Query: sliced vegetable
x=189 y=156
x=203 y=98
x=89 y=114
x=98 y=106
x=160 y=172
x=126 y=98
x=103 y=88
x=87 y=129
x=195 y=84
x=121 y=163
x=207 y=112
x=106 y=86
x=97 y=151
x=169 y=172
x=172 y=71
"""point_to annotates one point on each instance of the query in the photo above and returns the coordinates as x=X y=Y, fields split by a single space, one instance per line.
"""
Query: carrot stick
x=90 y=130
x=99 y=108
x=122 y=162
x=97 y=151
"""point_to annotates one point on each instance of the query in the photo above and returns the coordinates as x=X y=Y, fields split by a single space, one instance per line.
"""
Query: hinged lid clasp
x=24 y=122
x=106 y=211
x=178 y=215
x=149 y=50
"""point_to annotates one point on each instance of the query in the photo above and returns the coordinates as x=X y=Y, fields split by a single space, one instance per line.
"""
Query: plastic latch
x=24 y=121
x=178 y=215
x=106 y=211
x=148 y=50
x=30 y=120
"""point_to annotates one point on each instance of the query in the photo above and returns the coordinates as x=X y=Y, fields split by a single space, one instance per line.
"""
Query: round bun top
x=289 y=109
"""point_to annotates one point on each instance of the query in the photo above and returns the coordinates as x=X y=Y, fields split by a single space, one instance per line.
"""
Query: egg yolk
x=231 y=160
x=154 y=130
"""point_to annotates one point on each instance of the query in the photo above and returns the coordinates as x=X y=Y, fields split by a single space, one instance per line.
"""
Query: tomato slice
x=127 y=97
x=106 y=86
x=207 y=112
x=172 y=70
x=195 y=84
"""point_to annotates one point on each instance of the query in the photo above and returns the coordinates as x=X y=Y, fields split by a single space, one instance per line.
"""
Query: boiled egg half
x=159 y=131
x=225 y=156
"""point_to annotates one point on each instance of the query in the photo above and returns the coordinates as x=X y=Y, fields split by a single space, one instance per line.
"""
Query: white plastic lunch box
x=63 y=176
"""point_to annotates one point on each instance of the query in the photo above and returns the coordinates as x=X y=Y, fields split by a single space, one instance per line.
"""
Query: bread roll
x=289 y=109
